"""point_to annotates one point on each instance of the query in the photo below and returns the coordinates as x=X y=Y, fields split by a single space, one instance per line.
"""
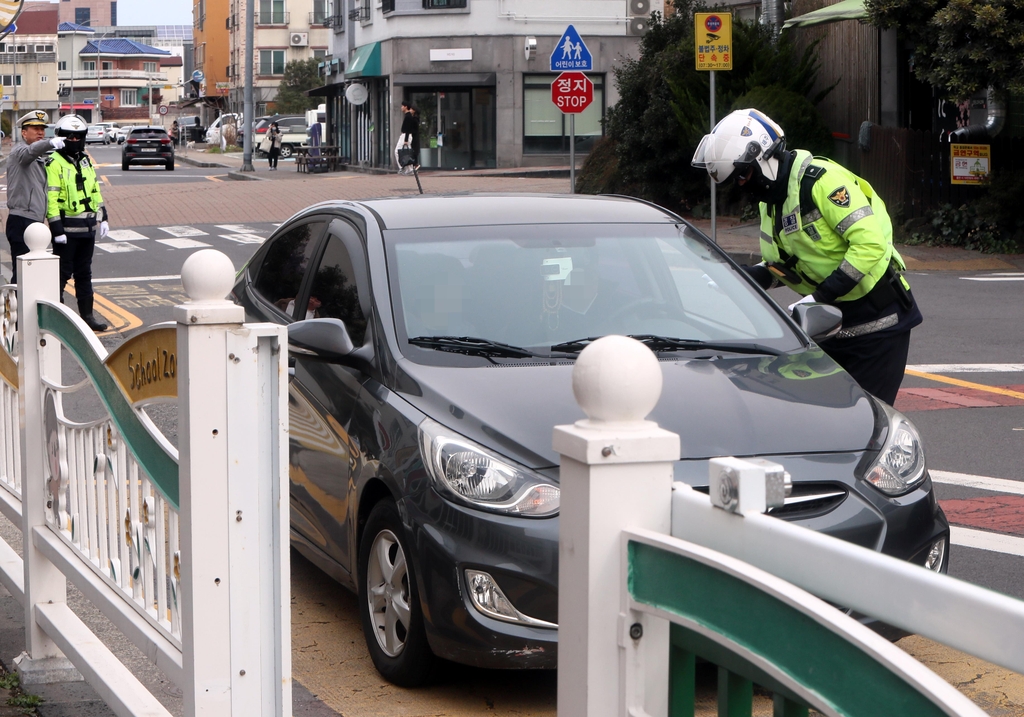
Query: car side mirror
x=819 y=321
x=324 y=338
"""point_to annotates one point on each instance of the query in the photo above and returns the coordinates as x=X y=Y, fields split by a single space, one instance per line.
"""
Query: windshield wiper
x=668 y=343
x=472 y=346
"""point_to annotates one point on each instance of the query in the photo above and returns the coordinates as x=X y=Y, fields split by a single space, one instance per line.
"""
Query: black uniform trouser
x=76 y=261
x=15 y=230
x=876 y=362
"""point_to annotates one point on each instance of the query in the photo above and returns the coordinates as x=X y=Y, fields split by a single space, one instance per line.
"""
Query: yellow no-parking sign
x=712 y=36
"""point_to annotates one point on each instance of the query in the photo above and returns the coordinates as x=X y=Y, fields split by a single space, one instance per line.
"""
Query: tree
x=960 y=46
x=299 y=76
x=663 y=111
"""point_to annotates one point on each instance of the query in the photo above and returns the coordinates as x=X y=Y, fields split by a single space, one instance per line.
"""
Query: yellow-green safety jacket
x=832 y=237
x=74 y=204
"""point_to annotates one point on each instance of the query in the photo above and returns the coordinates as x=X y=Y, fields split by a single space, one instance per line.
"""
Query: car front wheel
x=286 y=151
x=389 y=601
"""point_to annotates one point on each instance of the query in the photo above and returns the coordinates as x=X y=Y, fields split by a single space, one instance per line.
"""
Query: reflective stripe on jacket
x=843 y=240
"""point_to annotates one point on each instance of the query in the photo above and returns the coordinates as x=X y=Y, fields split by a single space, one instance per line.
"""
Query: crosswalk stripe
x=996 y=485
x=183 y=243
x=992 y=278
x=982 y=540
x=183 y=231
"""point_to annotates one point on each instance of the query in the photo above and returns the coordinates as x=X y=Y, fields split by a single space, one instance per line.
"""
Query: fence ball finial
x=37 y=237
x=617 y=380
x=207 y=275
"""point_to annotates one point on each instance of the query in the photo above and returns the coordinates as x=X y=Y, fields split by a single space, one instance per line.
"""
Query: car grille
x=807 y=500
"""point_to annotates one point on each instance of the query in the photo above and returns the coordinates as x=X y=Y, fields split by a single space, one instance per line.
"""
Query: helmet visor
x=699 y=160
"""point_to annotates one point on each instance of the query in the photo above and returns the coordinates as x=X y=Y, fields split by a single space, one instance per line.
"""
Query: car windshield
x=549 y=289
x=148 y=133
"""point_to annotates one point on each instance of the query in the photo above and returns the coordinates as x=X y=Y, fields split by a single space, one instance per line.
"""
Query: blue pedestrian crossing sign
x=571 y=54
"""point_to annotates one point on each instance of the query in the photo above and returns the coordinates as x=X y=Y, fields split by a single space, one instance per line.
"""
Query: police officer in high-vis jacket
x=826 y=235
x=75 y=213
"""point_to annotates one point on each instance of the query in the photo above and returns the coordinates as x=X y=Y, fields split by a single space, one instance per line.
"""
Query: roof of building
x=37 y=21
x=121 y=46
x=72 y=27
x=172 y=61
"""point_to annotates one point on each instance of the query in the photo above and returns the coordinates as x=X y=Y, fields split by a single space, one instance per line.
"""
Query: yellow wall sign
x=969 y=163
x=712 y=35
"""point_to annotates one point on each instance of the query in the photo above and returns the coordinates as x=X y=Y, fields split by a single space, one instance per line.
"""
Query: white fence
x=187 y=556
x=653 y=575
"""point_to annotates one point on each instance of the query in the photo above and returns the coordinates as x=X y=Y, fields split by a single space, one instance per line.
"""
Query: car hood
x=754 y=405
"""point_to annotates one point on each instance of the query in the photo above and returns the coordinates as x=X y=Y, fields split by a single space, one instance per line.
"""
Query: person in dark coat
x=409 y=137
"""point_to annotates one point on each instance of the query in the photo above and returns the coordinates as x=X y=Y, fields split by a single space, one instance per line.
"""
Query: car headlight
x=899 y=465
x=470 y=474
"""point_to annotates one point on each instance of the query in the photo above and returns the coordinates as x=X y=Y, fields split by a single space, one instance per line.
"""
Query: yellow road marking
x=966 y=384
x=120 y=320
x=103 y=178
x=215 y=179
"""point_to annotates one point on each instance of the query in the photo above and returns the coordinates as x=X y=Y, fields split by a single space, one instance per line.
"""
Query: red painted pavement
x=931 y=399
x=1004 y=513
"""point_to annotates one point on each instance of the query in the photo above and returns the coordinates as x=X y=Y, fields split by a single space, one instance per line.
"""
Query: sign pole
x=572 y=154
x=714 y=187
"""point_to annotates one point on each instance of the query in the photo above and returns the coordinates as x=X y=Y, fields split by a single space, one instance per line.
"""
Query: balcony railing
x=337 y=21
x=160 y=77
x=359 y=14
x=27 y=58
x=273 y=17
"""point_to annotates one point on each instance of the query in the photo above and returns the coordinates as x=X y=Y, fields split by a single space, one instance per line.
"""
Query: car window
x=285 y=263
x=536 y=285
x=149 y=133
x=334 y=294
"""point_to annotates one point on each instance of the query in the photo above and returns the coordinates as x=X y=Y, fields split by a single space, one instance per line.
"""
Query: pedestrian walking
x=273 y=142
x=76 y=213
x=825 y=233
x=409 y=139
x=26 y=182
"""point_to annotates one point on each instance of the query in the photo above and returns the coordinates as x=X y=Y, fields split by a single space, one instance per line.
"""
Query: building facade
x=88 y=13
x=478 y=72
x=28 y=63
x=109 y=78
x=284 y=30
x=211 y=56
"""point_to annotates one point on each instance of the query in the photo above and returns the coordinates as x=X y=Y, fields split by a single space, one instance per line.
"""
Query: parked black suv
x=147 y=145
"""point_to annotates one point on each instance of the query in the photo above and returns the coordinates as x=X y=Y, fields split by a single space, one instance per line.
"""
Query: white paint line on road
x=992 y=278
x=996 y=485
x=183 y=243
x=244 y=238
x=236 y=228
x=133 y=279
x=119 y=248
x=1007 y=273
x=126 y=235
x=967 y=367
x=182 y=231
x=993 y=542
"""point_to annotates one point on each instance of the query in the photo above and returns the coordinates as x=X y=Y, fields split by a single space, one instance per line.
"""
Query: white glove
x=60 y=239
x=809 y=299
x=104 y=229
x=57 y=142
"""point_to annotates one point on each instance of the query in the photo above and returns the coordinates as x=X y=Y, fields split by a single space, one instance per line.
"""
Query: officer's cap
x=35 y=118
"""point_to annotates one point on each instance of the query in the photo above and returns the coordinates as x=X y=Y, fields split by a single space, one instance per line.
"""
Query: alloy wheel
x=387 y=592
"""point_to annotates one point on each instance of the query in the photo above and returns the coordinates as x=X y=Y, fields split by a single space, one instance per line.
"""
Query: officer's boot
x=90 y=319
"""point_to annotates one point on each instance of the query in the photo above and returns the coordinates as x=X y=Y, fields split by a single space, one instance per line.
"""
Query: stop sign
x=572 y=92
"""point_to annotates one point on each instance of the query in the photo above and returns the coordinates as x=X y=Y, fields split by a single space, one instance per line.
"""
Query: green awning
x=365 y=62
x=843 y=10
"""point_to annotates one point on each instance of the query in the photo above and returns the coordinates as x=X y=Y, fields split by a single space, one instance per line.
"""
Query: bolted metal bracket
x=745 y=485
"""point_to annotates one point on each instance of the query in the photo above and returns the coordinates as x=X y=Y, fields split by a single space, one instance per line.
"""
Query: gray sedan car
x=432 y=343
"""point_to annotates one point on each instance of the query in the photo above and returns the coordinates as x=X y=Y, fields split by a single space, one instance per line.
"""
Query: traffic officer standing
x=826 y=235
x=75 y=212
x=26 y=182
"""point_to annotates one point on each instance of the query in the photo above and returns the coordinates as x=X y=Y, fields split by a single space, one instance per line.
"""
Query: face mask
x=74 y=145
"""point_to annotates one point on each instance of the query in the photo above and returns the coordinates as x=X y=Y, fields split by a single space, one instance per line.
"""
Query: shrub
x=803 y=125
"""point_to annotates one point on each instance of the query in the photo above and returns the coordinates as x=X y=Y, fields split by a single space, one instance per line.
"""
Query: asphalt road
x=107 y=159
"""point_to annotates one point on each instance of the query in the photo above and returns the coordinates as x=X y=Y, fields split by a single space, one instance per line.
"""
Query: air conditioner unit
x=639 y=7
x=638 y=25
x=299 y=39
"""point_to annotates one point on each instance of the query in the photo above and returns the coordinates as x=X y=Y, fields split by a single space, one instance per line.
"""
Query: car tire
x=169 y=166
x=124 y=165
x=389 y=603
x=286 y=151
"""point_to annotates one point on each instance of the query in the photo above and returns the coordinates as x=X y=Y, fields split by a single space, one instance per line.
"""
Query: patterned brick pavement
x=276 y=200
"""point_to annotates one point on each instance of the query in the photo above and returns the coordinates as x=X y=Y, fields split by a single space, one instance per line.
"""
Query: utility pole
x=99 y=96
x=247 y=114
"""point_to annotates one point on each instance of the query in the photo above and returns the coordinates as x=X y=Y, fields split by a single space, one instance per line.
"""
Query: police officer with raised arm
x=76 y=213
x=26 y=182
x=825 y=234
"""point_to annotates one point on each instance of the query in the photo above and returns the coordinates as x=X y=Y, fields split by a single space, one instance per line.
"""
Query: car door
x=330 y=422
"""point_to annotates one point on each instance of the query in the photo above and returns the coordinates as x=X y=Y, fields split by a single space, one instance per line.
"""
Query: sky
x=154 y=12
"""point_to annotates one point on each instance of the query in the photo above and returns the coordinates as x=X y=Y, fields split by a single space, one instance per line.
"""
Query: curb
x=197 y=163
x=240 y=176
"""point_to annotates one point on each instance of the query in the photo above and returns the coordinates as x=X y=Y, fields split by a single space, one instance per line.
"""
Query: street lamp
x=99 y=95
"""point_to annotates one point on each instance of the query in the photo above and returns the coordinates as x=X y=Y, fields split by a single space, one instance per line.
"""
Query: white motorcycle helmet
x=743 y=139
x=73 y=129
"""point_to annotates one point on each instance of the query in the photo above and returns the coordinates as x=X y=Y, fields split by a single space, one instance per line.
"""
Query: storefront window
x=546 y=129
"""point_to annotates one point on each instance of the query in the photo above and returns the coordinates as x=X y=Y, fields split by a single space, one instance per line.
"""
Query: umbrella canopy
x=843 y=10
